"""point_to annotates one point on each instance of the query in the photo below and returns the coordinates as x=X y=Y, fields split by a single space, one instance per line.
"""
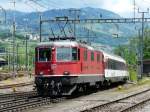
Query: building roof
x=2 y=59
x=65 y=44
x=146 y=61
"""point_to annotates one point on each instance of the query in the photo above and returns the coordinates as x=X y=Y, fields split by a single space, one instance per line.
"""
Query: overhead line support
x=121 y=20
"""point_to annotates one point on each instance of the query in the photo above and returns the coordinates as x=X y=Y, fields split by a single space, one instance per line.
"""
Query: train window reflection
x=63 y=54
x=44 y=54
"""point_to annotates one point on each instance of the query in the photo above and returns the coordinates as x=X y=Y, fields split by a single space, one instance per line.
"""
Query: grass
x=144 y=80
x=133 y=75
x=134 y=78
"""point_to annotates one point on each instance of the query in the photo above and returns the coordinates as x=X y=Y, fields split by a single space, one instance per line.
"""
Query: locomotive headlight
x=53 y=48
x=66 y=73
x=41 y=73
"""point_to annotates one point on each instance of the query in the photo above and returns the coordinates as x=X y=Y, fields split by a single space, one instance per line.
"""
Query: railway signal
x=90 y=21
x=13 y=36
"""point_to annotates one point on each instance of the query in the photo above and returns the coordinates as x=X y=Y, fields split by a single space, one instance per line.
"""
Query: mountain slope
x=101 y=33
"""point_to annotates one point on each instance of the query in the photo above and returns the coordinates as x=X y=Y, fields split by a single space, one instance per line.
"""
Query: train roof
x=113 y=57
x=65 y=44
x=59 y=43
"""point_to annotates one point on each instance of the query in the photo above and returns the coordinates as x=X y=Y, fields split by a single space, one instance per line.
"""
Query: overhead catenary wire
x=47 y=5
x=51 y=4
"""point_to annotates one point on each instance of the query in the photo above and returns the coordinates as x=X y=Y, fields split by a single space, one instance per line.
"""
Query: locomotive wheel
x=109 y=83
x=80 y=88
x=57 y=90
x=85 y=86
x=105 y=83
x=40 y=91
x=98 y=85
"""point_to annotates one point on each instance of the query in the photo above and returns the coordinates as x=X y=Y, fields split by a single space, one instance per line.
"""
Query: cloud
x=122 y=7
x=119 y=6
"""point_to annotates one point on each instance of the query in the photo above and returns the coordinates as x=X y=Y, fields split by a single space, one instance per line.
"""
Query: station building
x=146 y=66
x=2 y=62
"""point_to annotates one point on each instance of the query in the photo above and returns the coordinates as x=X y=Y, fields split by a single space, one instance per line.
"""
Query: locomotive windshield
x=44 y=54
x=63 y=54
x=67 y=54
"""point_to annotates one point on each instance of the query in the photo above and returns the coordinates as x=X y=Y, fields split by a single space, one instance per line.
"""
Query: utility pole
x=8 y=52
x=139 y=72
x=40 y=17
x=134 y=8
x=75 y=12
x=88 y=35
x=26 y=42
x=138 y=52
x=13 y=36
x=26 y=46
x=17 y=57
x=4 y=14
x=142 y=42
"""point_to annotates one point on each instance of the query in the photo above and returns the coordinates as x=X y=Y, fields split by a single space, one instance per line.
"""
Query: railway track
x=24 y=103
x=15 y=85
x=30 y=102
x=136 y=106
x=16 y=95
x=125 y=104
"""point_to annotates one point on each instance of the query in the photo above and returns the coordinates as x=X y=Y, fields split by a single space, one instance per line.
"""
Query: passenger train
x=65 y=66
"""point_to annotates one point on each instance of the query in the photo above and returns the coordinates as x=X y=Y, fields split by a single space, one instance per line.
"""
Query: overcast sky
x=122 y=7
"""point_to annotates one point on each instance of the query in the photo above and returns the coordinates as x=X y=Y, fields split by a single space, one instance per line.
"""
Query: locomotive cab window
x=74 y=54
x=68 y=54
x=92 y=56
x=64 y=54
x=44 y=54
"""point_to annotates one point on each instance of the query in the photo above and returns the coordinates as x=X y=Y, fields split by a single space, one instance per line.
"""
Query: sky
x=122 y=7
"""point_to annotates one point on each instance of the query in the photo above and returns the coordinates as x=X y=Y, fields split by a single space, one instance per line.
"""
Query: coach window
x=115 y=64
x=92 y=56
x=85 y=55
x=119 y=66
x=110 y=64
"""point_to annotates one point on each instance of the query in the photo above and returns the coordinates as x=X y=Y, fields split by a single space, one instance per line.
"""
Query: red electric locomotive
x=64 y=66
